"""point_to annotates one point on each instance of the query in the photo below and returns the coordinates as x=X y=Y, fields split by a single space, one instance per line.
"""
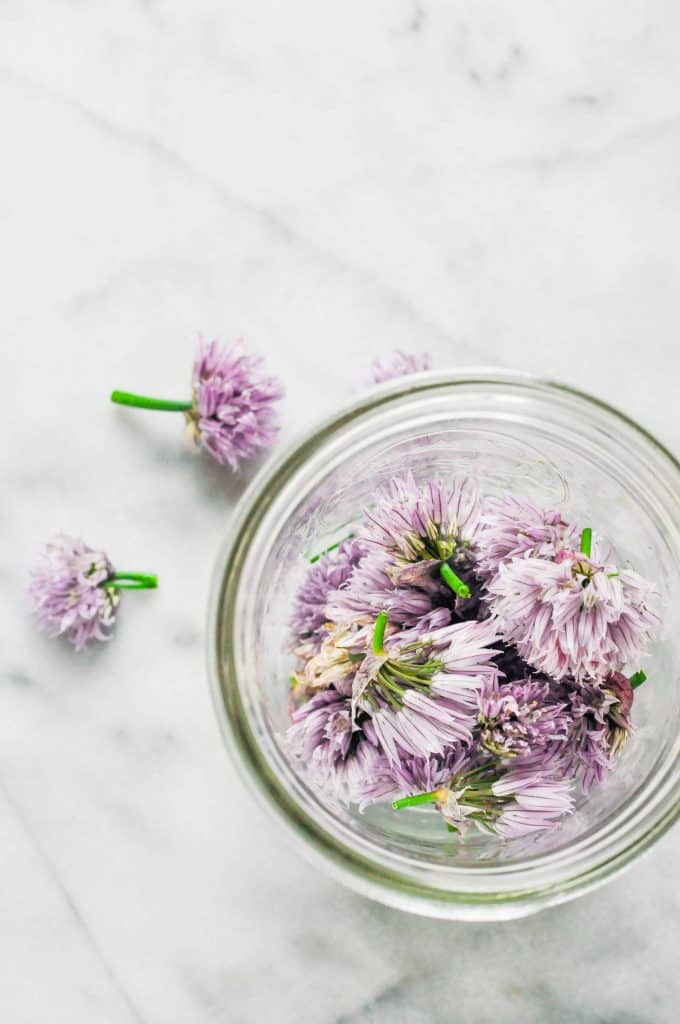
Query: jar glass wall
x=547 y=443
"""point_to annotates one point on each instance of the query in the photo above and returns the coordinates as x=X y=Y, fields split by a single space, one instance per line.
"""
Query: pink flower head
x=515 y=529
x=408 y=534
x=413 y=522
x=233 y=414
x=600 y=726
x=533 y=799
x=423 y=697
x=575 y=615
x=337 y=755
x=67 y=593
x=309 y=620
x=518 y=719
x=401 y=365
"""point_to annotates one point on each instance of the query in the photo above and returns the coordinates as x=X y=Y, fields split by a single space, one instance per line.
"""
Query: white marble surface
x=492 y=182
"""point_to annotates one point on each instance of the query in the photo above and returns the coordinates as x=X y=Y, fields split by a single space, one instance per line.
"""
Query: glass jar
x=542 y=441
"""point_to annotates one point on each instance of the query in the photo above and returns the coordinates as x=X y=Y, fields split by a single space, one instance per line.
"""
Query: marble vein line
x=52 y=874
x=272 y=222
x=619 y=145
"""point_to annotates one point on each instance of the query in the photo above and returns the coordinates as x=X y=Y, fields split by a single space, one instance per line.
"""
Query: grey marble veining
x=493 y=183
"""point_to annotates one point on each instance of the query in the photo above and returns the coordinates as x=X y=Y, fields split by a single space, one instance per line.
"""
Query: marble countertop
x=492 y=183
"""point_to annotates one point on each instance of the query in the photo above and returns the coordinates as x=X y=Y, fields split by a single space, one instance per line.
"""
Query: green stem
x=453 y=581
x=142 y=402
x=586 y=541
x=415 y=801
x=637 y=679
x=132 y=581
x=379 y=633
x=332 y=547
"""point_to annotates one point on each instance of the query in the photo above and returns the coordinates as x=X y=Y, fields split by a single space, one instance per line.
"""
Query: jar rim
x=393 y=880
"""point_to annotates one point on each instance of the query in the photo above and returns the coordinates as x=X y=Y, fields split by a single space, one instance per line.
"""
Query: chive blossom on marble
x=75 y=591
x=231 y=409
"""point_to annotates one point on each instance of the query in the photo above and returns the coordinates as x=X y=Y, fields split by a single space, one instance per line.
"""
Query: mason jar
x=545 y=442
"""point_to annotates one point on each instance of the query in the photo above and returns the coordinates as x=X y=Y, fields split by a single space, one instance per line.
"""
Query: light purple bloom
x=233 y=415
x=401 y=365
x=600 y=716
x=423 y=698
x=517 y=719
x=533 y=800
x=574 y=615
x=332 y=664
x=370 y=590
x=338 y=757
x=413 y=522
x=514 y=529
x=412 y=775
x=408 y=533
x=309 y=619
x=510 y=802
x=67 y=593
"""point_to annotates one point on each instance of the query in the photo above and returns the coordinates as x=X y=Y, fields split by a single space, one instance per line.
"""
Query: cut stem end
x=457 y=585
x=143 y=402
x=132 y=581
x=416 y=801
x=379 y=633
x=637 y=679
x=586 y=541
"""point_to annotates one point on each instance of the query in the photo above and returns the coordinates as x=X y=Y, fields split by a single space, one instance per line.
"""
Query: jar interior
x=554 y=449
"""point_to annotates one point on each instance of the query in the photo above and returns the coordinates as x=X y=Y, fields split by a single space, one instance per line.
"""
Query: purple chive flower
x=410 y=776
x=419 y=549
x=422 y=696
x=75 y=591
x=432 y=522
x=401 y=365
x=333 y=664
x=518 y=719
x=338 y=756
x=575 y=615
x=309 y=620
x=600 y=726
x=510 y=802
x=533 y=799
x=515 y=529
x=231 y=413
x=369 y=590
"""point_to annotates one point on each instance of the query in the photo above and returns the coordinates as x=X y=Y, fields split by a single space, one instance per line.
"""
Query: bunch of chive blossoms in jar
x=468 y=654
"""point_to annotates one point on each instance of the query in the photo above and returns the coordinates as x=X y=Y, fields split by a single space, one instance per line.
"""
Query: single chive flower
x=518 y=529
x=574 y=615
x=231 y=410
x=401 y=365
x=601 y=724
x=75 y=591
x=508 y=801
